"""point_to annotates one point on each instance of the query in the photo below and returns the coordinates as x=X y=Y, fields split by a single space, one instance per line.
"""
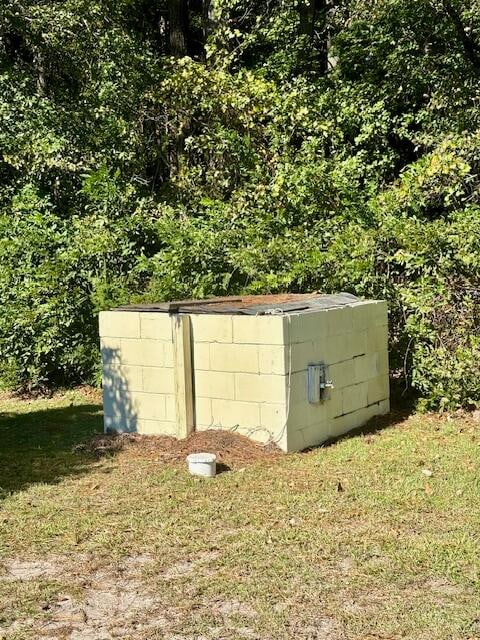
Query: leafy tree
x=180 y=148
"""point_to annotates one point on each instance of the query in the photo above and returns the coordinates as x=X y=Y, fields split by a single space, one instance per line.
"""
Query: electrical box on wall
x=317 y=382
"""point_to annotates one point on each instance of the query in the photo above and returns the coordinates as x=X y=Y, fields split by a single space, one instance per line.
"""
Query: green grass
x=272 y=551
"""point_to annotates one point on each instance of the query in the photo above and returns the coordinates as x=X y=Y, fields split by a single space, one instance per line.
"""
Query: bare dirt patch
x=234 y=607
x=322 y=628
x=25 y=570
x=441 y=587
x=104 y=602
x=191 y=564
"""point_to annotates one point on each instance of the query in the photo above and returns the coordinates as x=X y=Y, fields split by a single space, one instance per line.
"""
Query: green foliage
x=46 y=316
x=446 y=377
x=330 y=150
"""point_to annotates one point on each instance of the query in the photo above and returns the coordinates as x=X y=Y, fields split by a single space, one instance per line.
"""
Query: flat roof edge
x=276 y=304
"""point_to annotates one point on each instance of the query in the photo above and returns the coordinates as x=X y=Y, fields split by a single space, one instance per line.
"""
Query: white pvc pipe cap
x=202 y=464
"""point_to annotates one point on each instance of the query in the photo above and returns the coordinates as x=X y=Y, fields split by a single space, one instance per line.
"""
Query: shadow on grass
x=39 y=446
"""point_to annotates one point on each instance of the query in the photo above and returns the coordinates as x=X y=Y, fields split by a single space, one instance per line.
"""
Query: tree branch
x=471 y=48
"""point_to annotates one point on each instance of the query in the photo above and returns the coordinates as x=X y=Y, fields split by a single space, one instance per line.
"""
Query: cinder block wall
x=248 y=373
x=352 y=342
x=138 y=372
x=240 y=374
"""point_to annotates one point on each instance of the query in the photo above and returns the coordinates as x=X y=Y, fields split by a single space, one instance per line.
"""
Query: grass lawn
x=374 y=536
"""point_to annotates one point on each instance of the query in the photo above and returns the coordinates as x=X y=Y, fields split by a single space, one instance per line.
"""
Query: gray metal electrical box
x=317 y=382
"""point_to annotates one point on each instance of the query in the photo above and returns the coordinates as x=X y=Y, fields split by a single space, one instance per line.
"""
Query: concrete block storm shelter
x=295 y=369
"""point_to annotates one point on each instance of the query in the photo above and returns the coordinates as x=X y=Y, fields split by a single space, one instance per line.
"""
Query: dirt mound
x=232 y=450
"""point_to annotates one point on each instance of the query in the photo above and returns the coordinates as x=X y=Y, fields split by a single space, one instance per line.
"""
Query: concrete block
x=342 y=374
x=170 y=408
x=315 y=434
x=234 y=357
x=382 y=362
x=118 y=402
x=149 y=353
x=365 y=367
x=168 y=355
x=149 y=406
x=156 y=326
x=305 y=327
x=111 y=350
x=119 y=324
x=157 y=428
x=344 y=347
x=369 y=314
x=123 y=377
x=335 y=403
x=281 y=440
x=298 y=388
x=211 y=328
x=273 y=417
x=125 y=415
x=354 y=397
x=259 y=329
x=304 y=414
x=367 y=413
x=357 y=343
x=294 y=441
x=380 y=313
x=273 y=359
x=354 y=420
x=259 y=434
x=158 y=380
x=201 y=356
x=362 y=316
x=215 y=384
x=303 y=354
x=357 y=419
x=228 y=414
x=110 y=400
x=299 y=391
x=331 y=351
x=378 y=389
x=383 y=407
x=341 y=424
x=377 y=338
x=120 y=423
x=250 y=387
x=203 y=412
x=339 y=321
